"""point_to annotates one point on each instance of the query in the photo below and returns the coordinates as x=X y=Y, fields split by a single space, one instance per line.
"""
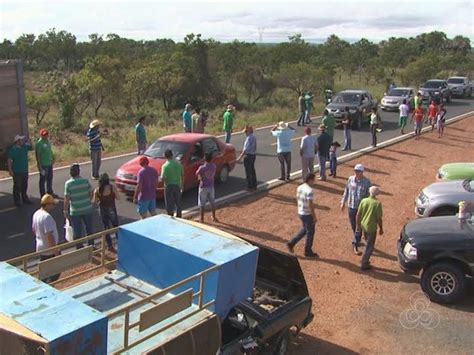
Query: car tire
x=470 y=92
x=281 y=344
x=444 y=211
x=443 y=282
x=223 y=175
x=448 y=99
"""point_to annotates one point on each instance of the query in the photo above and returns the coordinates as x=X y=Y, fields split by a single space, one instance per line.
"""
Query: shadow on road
x=305 y=344
x=242 y=231
x=404 y=153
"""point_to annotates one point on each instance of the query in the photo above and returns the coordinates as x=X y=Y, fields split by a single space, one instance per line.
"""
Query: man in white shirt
x=45 y=230
x=304 y=196
x=404 y=112
x=307 y=152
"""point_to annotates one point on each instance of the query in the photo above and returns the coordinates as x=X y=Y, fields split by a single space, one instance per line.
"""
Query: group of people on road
x=434 y=116
x=194 y=120
x=305 y=106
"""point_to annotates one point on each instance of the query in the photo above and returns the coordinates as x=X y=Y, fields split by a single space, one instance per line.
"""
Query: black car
x=436 y=89
x=443 y=249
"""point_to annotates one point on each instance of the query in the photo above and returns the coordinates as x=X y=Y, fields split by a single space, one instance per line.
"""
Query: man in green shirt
x=369 y=216
x=308 y=99
x=45 y=161
x=18 y=169
x=330 y=122
x=228 y=122
x=172 y=174
x=140 y=134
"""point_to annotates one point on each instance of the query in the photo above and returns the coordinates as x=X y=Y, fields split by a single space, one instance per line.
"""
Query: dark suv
x=436 y=89
x=443 y=249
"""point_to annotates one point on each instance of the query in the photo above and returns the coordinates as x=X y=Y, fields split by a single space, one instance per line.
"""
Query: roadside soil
x=355 y=311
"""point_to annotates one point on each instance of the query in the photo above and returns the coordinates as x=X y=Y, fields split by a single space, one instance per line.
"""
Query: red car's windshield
x=157 y=149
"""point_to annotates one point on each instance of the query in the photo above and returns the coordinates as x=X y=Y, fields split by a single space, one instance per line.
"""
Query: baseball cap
x=43 y=132
x=359 y=167
x=48 y=199
x=18 y=137
x=143 y=160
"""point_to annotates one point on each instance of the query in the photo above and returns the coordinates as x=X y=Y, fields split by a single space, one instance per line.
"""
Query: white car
x=394 y=98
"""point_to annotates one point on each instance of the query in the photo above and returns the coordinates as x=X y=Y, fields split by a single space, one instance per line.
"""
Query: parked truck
x=176 y=287
x=13 y=114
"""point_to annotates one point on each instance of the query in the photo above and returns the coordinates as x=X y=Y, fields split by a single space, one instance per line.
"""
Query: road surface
x=16 y=237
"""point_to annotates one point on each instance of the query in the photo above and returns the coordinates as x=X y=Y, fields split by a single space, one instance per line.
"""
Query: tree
x=254 y=82
x=304 y=77
x=419 y=70
x=64 y=95
x=39 y=104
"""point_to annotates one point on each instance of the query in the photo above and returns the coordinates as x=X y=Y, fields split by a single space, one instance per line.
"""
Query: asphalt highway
x=15 y=223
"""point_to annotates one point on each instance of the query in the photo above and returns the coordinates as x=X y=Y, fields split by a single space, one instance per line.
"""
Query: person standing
x=206 y=174
x=78 y=204
x=441 y=120
x=44 y=162
x=417 y=100
x=433 y=110
x=95 y=146
x=302 y=110
x=308 y=149
x=333 y=158
x=369 y=216
x=347 y=126
x=308 y=100
x=172 y=174
x=249 y=153
x=307 y=215
x=330 y=122
x=284 y=133
x=199 y=121
x=419 y=116
x=140 y=135
x=357 y=188
x=324 y=144
x=18 y=169
x=228 y=122
x=145 y=194
x=105 y=196
x=45 y=230
x=404 y=111
x=187 y=119
x=375 y=125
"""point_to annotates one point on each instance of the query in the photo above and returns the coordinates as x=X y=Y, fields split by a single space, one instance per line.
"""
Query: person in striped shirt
x=78 y=204
x=95 y=146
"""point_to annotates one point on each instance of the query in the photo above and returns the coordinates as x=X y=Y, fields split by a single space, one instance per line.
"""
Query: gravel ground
x=357 y=312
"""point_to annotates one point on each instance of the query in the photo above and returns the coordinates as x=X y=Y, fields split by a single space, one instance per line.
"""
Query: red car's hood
x=133 y=166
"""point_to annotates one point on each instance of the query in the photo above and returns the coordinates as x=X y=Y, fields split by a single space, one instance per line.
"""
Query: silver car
x=394 y=98
x=442 y=198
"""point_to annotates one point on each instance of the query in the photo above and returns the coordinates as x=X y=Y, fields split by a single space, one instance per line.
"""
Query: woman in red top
x=433 y=111
x=419 y=115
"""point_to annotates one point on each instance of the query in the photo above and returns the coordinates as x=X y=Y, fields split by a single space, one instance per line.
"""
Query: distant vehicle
x=460 y=86
x=189 y=149
x=13 y=113
x=442 y=198
x=360 y=103
x=443 y=249
x=436 y=89
x=394 y=98
x=456 y=171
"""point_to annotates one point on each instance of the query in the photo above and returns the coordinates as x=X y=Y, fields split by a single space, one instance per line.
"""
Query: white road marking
x=15 y=235
x=7 y=209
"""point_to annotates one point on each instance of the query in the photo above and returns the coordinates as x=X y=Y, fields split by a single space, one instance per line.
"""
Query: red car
x=189 y=149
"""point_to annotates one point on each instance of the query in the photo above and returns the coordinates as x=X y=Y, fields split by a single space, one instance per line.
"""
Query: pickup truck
x=183 y=288
x=435 y=89
x=460 y=86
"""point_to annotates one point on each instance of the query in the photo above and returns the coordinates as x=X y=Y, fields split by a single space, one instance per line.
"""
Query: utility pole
x=260 y=34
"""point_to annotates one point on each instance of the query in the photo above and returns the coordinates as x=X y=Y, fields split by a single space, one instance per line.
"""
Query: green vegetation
x=115 y=79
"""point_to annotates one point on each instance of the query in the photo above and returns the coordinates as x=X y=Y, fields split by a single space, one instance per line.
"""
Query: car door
x=195 y=160
x=209 y=145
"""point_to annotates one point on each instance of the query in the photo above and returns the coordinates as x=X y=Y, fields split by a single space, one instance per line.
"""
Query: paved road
x=15 y=234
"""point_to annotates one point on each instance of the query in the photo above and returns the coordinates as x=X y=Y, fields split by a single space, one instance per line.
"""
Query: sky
x=266 y=21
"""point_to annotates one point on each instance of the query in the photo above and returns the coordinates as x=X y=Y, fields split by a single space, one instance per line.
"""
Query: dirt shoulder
x=358 y=312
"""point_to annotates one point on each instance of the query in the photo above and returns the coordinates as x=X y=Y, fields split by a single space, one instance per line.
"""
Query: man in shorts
x=145 y=194
x=433 y=110
x=206 y=175
x=404 y=111
x=419 y=116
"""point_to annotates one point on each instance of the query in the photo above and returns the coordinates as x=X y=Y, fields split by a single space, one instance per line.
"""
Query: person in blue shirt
x=95 y=146
x=187 y=119
x=284 y=133
x=249 y=153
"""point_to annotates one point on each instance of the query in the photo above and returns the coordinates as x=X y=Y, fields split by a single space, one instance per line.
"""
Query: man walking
x=140 y=135
x=228 y=122
x=302 y=110
x=404 y=111
x=249 y=153
x=145 y=194
x=307 y=215
x=18 y=169
x=78 y=204
x=369 y=216
x=357 y=188
x=347 y=127
x=419 y=116
x=433 y=111
x=284 y=133
x=375 y=125
x=330 y=122
x=324 y=144
x=308 y=149
x=95 y=146
x=187 y=119
x=206 y=175
x=45 y=231
x=44 y=162
x=172 y=175
x=308 y=100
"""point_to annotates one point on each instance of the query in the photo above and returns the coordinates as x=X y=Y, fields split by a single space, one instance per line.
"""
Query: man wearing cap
x=228 y=122
x=284 y=133
x=330 y=122
x=95 y=147
x=18 y=169
x=45 y=231
x=78 y=204
x=308 y=149
x=145 y=194
x=357 y=188
x=249 y=153
x=140 y=135
x=45 y=161
x=324 y=144
x=187 y=119
x=172 y=174
x=369 y=216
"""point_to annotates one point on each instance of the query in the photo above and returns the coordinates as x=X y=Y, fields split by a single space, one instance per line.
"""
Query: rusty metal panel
x=64 y=262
